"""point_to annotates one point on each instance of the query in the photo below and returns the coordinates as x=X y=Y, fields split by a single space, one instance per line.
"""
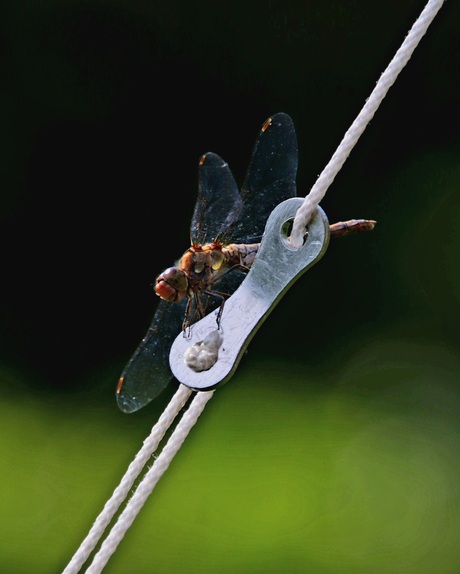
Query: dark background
x=106 y=107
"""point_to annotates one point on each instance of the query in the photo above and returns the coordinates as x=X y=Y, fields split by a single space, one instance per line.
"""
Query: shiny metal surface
x=276 y=268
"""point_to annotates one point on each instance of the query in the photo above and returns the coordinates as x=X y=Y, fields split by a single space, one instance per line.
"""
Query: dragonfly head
x=171 y=285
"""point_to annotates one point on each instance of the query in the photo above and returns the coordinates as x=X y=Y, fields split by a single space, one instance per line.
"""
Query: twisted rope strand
x=149 y=481
x=135 y=468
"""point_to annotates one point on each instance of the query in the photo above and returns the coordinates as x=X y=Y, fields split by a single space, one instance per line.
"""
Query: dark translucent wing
x=270 y=179
x=148 y=372
x=218 y=202
x=230 y=282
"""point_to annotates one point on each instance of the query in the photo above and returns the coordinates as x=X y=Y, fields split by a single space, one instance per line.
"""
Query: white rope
x=135 y=468
x=149 y=482
x=402 y=56
x=196 y=407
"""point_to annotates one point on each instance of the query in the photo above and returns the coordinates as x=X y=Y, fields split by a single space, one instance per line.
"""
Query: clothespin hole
x=286 y=229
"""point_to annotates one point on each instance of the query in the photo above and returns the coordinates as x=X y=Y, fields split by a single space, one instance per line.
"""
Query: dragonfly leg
x=186 y=322
x=193 y=312
x=222 y=297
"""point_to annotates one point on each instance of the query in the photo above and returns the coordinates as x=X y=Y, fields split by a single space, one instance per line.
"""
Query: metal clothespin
x=275 y=269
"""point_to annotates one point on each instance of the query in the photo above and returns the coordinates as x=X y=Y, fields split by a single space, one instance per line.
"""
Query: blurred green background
x=335 y=448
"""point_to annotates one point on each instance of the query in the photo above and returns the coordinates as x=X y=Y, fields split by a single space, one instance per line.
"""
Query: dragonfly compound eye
x=171 y=285
x=217 y=258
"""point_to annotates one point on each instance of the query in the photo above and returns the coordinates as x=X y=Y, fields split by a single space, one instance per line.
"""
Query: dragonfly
x=226 y=231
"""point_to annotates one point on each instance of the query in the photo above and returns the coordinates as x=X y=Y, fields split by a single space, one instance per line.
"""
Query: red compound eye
x=171 y=285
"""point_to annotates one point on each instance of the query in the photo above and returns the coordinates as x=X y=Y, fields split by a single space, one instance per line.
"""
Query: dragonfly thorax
x=202 y=258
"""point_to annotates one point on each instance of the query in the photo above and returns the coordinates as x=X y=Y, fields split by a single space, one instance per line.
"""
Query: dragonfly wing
x=219 y=201
x=230 y=281
x=270 y=179
x=148 y=373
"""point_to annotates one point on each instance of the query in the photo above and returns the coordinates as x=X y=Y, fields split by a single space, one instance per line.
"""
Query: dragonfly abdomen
x=342 y=228
x=240 y=254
